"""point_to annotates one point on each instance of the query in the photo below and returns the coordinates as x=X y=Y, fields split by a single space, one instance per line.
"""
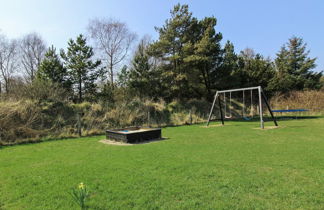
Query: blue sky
x=264 y=25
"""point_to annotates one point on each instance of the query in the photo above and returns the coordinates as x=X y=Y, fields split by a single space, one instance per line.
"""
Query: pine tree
x=81 y=69
x=294 y=67
x=204 y=61
x=52 y=69
x=172 y=38
x=255 y=70
x=189 y=50
x=142 y=75
x=228 y=76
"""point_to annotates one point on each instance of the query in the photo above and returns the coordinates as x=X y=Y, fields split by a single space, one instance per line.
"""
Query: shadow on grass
x=297 y=117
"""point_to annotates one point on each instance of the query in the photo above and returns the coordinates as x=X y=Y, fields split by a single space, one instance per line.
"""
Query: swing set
x=243 y=106
x=228 y=113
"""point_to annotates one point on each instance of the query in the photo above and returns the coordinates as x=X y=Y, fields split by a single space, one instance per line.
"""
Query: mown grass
x=229 y=167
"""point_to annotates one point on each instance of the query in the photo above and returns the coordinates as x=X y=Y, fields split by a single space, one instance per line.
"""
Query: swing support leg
x=251 y=109
x=243 y=104
x=230 y=104
x=268 y=106
x=212 y=108
x=260 y=108
x=220 y=110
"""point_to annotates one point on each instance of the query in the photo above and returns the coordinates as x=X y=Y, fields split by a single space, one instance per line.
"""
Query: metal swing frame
x=260 y=94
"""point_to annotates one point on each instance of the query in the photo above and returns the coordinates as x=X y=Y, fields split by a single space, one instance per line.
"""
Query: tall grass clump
x=30 y=120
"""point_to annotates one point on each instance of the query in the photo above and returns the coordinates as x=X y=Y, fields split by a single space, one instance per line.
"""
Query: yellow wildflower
x=81 y=186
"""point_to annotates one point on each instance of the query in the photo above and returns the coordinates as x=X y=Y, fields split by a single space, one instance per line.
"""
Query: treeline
x=90 y=85
x=186 y=61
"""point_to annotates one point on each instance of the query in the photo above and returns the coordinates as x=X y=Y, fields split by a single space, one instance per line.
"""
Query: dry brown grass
x=18 y=120
x=311 y=100
x=26 y=120
x=29 y=120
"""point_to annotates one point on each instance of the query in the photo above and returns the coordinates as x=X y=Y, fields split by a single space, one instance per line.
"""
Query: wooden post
x=266 y=102
x=261 y=112
x=220 y=110
x=212 y=108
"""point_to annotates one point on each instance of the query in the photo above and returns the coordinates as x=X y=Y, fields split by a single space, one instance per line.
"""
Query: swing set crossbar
x=239 y=89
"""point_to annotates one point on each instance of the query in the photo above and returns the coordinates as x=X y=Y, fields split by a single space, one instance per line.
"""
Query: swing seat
x=228 y=117
x=246 y=118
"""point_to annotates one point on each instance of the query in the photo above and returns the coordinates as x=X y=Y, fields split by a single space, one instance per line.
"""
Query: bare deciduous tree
x=33 y=49
x=112 y=38
x=8 y=60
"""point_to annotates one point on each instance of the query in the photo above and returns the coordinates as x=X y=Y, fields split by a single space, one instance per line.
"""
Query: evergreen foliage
x=255 y=70
x=190 y=51
x=82 y=71
x=186 y=62
x=142 y=77
x=294 y=68
x=228 y=75
x=52 y=69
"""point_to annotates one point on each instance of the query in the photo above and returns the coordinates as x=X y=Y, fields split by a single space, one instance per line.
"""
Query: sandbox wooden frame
x=134 y=135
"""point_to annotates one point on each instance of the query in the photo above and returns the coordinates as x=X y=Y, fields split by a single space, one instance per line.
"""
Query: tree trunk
x=111 y=72
x=32 y=75
x=205 y=74
x=6 y=85
x=80 y=90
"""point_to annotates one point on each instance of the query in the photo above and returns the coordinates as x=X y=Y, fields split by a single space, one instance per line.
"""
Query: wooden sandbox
x=134 y=134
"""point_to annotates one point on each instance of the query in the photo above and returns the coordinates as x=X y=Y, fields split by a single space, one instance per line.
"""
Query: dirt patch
x=269 y=127
x=117 y=143
x=106 y=141
x=211 y=126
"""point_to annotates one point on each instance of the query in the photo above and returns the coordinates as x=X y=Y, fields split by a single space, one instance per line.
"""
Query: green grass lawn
x=230 y=167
